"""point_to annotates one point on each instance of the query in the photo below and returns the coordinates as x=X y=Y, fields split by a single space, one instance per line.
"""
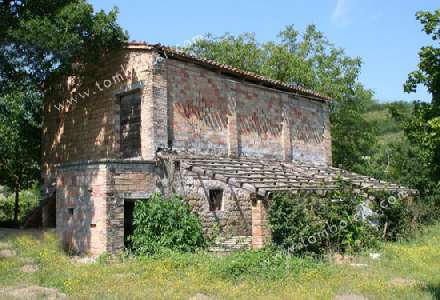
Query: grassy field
x=409 y=270
x=387 y=129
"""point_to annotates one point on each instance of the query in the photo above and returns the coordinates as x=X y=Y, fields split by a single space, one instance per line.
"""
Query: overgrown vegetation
x=165 y=224
x=310 y=223
x=305 y=224
x=250 y=275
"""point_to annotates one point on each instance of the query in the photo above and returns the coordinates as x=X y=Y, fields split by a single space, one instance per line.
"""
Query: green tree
x=423 y=127
x=19 y=141
x=307 y=60
x=38 y=40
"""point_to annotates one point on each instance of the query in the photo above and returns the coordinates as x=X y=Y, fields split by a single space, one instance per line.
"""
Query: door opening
x=128 y=220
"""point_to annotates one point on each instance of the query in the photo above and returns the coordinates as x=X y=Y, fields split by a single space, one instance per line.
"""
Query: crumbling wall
x=234 y=219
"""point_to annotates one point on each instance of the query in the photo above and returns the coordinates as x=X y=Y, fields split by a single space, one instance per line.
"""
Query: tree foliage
x=423 y=127
x=310 y=223
x=307 y=60
x=20 y=138
x=340 y=220
x=40 y=39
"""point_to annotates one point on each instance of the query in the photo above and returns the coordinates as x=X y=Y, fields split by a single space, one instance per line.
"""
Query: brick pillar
x=154 y=109
x=286 y=131
x=327 y=135
x=260 y=226
x=286 y=136
x=233 y=130
x=98 y=206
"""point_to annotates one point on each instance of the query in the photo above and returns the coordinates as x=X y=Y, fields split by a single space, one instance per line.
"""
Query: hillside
x=388 y=129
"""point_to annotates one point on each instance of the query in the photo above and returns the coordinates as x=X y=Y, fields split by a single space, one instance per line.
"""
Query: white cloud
x=340 y=14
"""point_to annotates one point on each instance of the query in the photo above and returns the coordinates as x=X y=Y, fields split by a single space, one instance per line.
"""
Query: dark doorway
x=128 y=220
x=215 y=200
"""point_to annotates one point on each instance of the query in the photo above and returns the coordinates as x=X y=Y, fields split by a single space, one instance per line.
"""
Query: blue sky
x=385 y=34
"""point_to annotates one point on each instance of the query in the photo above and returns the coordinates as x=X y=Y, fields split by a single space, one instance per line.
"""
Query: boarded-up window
x=130 y=125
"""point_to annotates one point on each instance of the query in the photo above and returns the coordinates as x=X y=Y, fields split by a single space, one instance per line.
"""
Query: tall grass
x=249 y=275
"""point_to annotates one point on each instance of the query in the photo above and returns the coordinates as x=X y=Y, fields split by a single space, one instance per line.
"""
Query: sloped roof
x=230 y=70
x=267 y=176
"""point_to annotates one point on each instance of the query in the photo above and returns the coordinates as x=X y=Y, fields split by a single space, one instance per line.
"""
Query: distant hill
x=388 y=129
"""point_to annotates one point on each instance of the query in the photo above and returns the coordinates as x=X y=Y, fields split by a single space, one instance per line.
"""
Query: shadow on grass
x=434 y=289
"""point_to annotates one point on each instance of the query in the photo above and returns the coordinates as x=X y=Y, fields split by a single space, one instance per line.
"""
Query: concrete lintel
x=136 y=195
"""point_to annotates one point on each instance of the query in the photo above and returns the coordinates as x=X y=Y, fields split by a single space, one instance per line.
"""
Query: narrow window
x=130 y=125
x=70 y=211
x=215 y=200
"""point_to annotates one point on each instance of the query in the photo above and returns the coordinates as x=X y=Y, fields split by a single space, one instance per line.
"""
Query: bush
x=313 y=224
x=397 y=217
x=429 y=205
x=165 y=224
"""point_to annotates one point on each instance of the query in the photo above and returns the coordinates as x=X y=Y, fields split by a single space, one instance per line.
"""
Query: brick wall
x=90 y=202
x=183 y=106
x=86 y=125
x=260 y=224
x=198 y=100
x=210 y=113
x=81 y=206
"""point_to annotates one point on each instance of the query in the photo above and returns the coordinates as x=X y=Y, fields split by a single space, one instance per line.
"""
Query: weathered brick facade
x=216 y=115
x=100 y=147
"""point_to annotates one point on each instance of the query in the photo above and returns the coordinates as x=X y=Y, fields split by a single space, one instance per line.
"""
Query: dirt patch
x=350 y=297
x=5 y=253
x=29 y=268
x=400 y=281
x=86 y=260
x=31 y=293
x=5 y=245
x=342 y=259
x=200 y=296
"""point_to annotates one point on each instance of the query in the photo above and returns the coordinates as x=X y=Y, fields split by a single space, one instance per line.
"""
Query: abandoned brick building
x=153 y=119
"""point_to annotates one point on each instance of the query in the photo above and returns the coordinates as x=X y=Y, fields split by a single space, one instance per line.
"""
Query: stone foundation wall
x=234 y=219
